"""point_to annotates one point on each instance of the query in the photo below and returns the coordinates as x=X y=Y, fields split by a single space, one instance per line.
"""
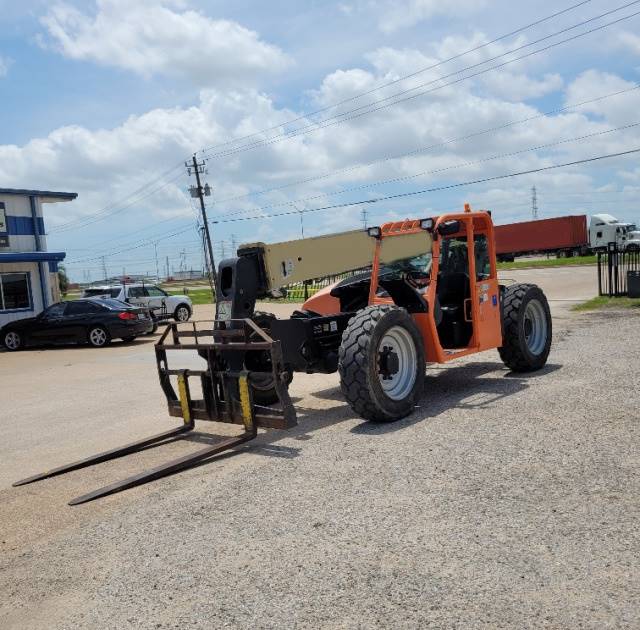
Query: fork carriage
x=226 y=382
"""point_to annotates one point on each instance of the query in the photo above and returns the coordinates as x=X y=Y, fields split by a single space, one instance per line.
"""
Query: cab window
x=82 y=308
x=136 y=292
x=155 y=292
x=483 y=264
x=56 y=310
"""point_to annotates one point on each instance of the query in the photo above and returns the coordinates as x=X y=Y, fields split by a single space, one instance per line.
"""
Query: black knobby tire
x=359 y=363
x=129 y=339
x=262 y=386
x=525 y=348
x=98 y=336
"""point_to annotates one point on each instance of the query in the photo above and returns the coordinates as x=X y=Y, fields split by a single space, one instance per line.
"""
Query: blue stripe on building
x=23 y=226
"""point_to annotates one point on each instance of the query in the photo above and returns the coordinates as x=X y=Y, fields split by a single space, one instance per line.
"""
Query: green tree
x=63 y=280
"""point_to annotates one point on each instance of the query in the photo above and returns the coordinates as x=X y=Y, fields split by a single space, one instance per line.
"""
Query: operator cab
x=453 y=291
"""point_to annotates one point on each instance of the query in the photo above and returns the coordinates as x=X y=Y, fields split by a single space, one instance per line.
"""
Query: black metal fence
x=613 y=266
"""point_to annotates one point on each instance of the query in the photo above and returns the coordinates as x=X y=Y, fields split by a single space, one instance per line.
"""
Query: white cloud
x=409 y=12
x=160 y=37
x=619 y=111
x=630 y=41
x=5 y=62
x=519 y=87
x=397 y=14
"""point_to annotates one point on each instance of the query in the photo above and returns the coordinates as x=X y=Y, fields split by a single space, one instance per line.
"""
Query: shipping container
x=561 y=235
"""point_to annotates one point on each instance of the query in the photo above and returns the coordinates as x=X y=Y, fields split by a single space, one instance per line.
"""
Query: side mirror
x=449 y=227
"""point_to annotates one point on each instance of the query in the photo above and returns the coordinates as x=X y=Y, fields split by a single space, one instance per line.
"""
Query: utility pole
x=534 y=203
x=364 y=215
x=155 y=247
x=167 y=263
x=200 y=192
x=205 y=258
x=104 y=268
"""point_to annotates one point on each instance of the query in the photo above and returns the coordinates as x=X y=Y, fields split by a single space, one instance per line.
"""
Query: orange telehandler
x=427 y=291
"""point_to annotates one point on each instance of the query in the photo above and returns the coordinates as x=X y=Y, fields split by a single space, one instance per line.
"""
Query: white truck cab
x=605 y=229
x=179 y=307
x=633 y=241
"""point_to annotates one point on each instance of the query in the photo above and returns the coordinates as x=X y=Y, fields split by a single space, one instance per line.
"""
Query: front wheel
x=98 y=337
x=527 y=328
x=12 y=340
x=182 y=313
x=381 y=363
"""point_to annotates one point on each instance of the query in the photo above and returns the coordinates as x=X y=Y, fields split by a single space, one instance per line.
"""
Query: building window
x=14 y=291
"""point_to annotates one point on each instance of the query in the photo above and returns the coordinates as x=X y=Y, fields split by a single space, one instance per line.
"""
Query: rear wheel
x=12 y=340
x=98 y=337
x=527 y=328
x=259 y=363
x=382 y=363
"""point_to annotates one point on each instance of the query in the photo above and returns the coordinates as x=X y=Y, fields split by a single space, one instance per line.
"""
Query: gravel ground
x=503 y=502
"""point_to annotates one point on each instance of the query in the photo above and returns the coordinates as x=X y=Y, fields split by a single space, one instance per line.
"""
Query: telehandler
x=424 y=291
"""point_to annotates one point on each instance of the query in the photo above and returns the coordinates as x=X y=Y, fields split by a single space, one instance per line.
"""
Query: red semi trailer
x=565 y=236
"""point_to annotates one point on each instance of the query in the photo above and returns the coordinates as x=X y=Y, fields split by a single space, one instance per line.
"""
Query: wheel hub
x=12 y=341
x=535 y=327
x=397 y=363
x=389 y=363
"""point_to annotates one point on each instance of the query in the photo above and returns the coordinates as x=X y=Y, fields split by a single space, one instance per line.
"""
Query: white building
x=28 y=272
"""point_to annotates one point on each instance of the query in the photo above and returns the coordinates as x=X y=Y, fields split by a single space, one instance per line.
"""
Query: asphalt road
x=504 y=501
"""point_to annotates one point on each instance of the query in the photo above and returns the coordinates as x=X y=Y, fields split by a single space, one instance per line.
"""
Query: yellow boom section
x=319 y=256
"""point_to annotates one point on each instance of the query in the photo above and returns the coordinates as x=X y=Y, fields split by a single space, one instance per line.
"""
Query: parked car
x=179 y=307
x=95 y=321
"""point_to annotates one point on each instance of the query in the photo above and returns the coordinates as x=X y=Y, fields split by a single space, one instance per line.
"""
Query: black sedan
x=95 y=321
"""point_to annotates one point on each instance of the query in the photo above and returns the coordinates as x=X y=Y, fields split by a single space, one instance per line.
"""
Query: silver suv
x=160 y=302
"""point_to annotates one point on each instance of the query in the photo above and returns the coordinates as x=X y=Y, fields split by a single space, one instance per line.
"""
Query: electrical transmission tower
x=534 y=203
x=364 y=216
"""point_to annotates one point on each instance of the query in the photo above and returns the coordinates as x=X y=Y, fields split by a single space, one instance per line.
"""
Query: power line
x=432 y=146
x=437 y=188
x=150 y=241
x=107 y=210
x=404 y=178
x=400 y=79
x=331 y=121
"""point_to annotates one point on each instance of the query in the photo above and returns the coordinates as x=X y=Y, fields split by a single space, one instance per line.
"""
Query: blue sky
x=108 y=98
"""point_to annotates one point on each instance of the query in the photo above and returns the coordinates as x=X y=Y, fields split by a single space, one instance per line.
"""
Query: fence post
x=599 y=273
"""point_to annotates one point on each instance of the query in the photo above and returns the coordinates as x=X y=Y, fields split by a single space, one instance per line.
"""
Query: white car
x=179 y=307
